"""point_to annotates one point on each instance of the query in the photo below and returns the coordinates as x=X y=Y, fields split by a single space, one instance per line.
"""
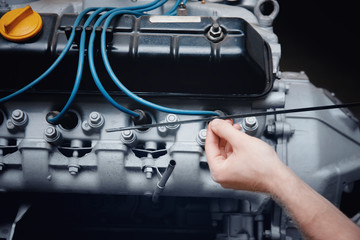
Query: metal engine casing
x=79 y=156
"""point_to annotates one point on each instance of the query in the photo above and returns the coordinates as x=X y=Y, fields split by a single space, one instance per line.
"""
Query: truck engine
x=104 y=107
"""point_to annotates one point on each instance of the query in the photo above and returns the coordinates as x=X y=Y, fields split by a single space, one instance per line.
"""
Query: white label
x=175 y=19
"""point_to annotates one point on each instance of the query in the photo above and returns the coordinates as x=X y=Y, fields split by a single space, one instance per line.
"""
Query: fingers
x=212 y=148
x=225 y=130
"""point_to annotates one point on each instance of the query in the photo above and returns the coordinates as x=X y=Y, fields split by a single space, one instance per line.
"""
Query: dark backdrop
x=322 y=39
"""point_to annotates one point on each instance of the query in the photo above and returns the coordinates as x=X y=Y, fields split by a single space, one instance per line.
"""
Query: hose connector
x=161 y=184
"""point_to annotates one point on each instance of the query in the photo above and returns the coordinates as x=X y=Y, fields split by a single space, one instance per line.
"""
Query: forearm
x=314 y=215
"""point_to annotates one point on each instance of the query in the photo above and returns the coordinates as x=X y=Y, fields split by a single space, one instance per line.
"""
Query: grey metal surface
x=321 y=147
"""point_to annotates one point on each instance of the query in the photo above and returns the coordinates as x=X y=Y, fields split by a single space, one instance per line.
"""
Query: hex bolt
x=172 y=118
x=250 y=122
x=19 y=118
x=51 y=134
x=201 y=137
x=215 y=33
x=73 y=169
x=148 y=172
x=128 y=136
x=250 y=125
x=162 y=130
x=85 y=126
x=96 y=120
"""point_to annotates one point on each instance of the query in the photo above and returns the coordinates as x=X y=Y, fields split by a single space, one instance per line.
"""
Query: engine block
x=219 y=56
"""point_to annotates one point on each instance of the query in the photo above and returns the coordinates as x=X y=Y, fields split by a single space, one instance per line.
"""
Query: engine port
x=143 y=118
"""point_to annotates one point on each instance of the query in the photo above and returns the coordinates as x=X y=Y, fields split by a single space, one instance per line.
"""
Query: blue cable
x=172 y=11
x=80 y=67
x=128 y=92
x=146 y=7
x=56 y=62
x=81 y=61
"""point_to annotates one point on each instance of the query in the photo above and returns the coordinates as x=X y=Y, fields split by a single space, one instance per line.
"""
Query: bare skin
x=239 y=161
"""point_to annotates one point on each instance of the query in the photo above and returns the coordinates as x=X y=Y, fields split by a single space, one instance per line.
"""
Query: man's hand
x=239 y=161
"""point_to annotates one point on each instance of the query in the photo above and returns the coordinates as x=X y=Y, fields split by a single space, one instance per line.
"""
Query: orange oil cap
x=20 y=24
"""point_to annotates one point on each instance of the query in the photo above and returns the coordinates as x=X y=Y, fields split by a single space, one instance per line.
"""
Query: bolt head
x=96 y=120
x=201 y=137
x=172 y=118
x=85 y=126
x=250 y=122
x=215 y=30
x=17 y=114
x=127 y=134
x=202 y=134
x=50 y=132
x=73 y=170
x=18 y=117
x=94 y=116
x=148 y=172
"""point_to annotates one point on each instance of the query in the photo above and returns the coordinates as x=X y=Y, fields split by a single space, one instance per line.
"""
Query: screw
x=148 y=172
x=85 y=126
x=96 y=120
x=73 y=169
x=250 y=122
x=172 y=118
x=18 y=117
x=128 y=136
x=201 y=137
x=215 y=30
x=95 y=117
x=51 y=134
x=162 y=130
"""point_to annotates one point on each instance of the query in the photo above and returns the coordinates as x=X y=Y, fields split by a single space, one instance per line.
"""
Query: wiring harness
x=104 y=17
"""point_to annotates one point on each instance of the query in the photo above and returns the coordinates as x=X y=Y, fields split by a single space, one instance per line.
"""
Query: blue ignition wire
x=172 y=11
x=80 y=66
x=146 y=7
x=55 y=63
x=128 y=92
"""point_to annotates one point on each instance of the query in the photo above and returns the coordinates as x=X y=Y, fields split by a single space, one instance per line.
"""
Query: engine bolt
x=215 y=33
x=73 y=169
x=96 y=120
x=19 y=117
x=148 y=172
x=51 y=134
x=250 y=125
x=201 y=137
x=172 y=118
x=128 y=136
x=250 y=122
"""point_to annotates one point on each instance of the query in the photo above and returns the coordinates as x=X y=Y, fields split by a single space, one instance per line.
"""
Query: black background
x=322 y=39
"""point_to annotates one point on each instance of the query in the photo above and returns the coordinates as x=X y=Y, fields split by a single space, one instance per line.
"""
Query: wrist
x=280 y=175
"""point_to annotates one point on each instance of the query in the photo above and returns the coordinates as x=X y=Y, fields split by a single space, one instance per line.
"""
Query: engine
x=103 y=115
